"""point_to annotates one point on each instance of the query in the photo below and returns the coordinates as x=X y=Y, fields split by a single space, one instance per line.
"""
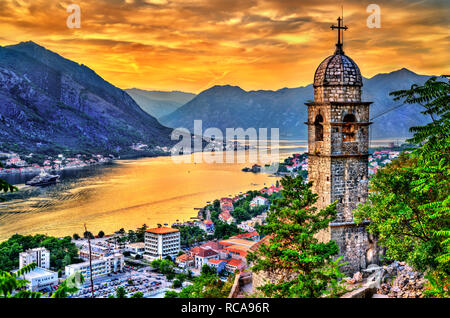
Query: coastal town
x=117 y=261
x=15 y=164
x=220 y=237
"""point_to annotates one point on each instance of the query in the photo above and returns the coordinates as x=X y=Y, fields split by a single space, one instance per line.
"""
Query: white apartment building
x=100 y=267
x=40 y=278
x=136 y=248
x=40 y=256
x=161 y=242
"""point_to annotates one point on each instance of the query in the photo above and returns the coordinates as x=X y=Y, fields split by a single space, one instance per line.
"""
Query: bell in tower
x=338 y=150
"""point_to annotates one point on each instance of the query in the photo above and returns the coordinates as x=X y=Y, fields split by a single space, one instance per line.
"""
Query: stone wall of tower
x=349 y=185
x=339 y=171
x=325 y=94
x=319 y=171
x=353 y=242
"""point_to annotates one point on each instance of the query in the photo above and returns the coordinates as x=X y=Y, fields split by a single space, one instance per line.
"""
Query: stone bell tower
x=338 y=141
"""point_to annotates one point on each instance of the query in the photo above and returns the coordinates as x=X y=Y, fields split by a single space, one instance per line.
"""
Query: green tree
x=5 y=186
x=60 y=250
x=224 y=230
x=13 y=286
x=101 y=234
x=208 y=270
x=171 y=294
x=181 y=277
x=69 y=286
x=409 y=199
x=88 y=234
x=76 y=236
x=140 y=233
x=207 y=285
x=304 y=267
x=138 y=295
x=121 y=292
x=176 y=284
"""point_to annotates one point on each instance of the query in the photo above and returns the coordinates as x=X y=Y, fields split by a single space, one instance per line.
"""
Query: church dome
x=338 y=70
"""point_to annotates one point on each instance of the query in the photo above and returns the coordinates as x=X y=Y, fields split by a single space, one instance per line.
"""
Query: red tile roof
x=206 y=252
x=162 y=230
x=235 y=262
x=246 y=235
x=184 y=258
x=213 y=245
x=195 y=250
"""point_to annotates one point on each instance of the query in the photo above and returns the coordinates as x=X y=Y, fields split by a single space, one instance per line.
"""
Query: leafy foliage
x=164 y=266
x=299 y=264
x=62 y=251
x=121 y=292
x=11 y=283
x=409 y=200
x=138 y=295
x=5 y=186
x=207 y=285
x=13 y=286
x=69 y=286
x=190 y=235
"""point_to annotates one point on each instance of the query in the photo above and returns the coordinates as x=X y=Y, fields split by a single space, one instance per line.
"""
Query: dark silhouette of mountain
x=232 y=107
x=158 y=103
x=50 y=104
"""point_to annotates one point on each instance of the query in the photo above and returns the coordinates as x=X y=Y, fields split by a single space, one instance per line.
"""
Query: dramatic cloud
x=256 y=44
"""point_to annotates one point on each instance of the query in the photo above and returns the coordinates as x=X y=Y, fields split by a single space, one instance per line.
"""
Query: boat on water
x=43 y=179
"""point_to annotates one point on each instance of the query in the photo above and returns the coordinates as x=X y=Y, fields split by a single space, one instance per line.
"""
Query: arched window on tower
x=349 y=128
x=318 y=128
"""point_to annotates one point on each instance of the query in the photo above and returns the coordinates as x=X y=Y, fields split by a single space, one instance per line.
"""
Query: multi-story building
x=97 y=252
x=258 y=201
x=161 y=242
x=137 y=248
x=40 y=279
x=100 y=267
x=40 y=256
x=203 y=255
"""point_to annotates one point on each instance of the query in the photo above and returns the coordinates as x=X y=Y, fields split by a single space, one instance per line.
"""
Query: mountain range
x=159 y=103
x=50 y=104
x=232 y=107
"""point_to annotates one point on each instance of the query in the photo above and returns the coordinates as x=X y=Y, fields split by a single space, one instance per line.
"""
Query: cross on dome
x=339 y=27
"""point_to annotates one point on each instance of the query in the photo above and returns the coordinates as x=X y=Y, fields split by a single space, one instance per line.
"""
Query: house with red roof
x=226 y=217
x=218 y=264
x=235 y=264
x=185 y=261
x=258 y=201
x=203 y=255
x=206 y=225
x=226 y=204
x=254 y=236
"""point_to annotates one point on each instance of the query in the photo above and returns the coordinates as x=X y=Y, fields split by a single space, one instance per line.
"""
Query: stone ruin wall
x=357 y=247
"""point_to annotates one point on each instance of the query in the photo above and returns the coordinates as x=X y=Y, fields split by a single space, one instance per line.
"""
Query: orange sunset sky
x=191 y=45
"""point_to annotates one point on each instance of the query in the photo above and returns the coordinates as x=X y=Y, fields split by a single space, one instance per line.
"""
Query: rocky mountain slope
x=158 y=103
x=50 y=104
x=232 y=107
